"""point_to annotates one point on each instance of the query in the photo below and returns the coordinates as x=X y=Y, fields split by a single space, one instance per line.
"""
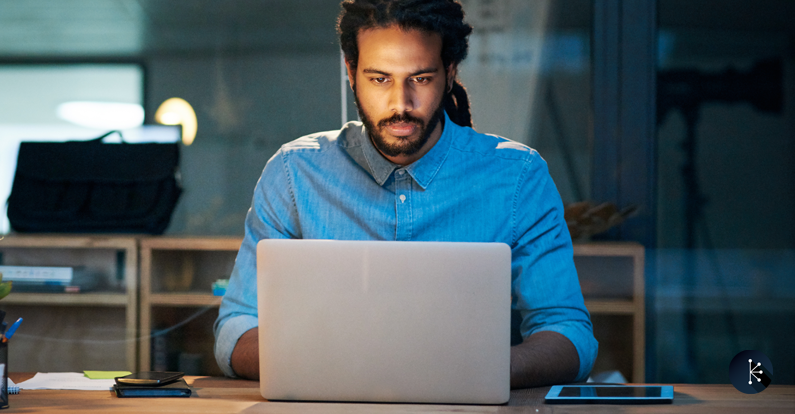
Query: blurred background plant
x=5 y=287
x=585 y=219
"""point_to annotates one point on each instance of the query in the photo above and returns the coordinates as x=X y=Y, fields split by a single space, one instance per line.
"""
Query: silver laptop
x=380 y=321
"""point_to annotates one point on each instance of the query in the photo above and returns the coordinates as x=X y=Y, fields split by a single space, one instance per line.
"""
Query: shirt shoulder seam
x=524 y=155
x=289 y=180
x=312 y=143
x=527 y=162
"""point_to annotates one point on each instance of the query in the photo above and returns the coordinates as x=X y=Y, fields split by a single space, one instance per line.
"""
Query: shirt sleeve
x=272 y=215
x=545 y=287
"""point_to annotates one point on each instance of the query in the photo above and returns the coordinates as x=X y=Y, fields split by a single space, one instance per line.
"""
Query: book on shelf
x=51 y=279
x=38 y=274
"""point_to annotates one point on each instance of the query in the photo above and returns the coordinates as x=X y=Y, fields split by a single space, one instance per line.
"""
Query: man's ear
x=452 y=70
x=351 y=74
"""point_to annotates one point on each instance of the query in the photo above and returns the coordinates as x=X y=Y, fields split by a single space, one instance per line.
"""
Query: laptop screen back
x=384 y=321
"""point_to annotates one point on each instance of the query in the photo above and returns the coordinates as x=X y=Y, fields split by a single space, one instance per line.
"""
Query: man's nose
x=401 y=98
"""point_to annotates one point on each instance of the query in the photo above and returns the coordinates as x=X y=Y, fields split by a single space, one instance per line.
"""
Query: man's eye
x=422 y=80
x=379 y=80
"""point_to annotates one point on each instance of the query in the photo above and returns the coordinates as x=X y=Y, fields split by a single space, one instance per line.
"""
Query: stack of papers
x=72 y=381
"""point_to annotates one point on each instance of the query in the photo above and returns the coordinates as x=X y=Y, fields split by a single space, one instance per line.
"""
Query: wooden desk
x=222 y=395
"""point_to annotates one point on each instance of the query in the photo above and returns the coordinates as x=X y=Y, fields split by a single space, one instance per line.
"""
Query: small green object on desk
x=105 y=374
x=219 y=287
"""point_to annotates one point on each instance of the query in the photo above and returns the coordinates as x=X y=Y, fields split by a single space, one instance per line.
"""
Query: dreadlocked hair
x=445 y=17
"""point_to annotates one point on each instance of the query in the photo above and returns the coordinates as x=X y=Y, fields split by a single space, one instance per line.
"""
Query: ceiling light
x=177 y=111
x=102 y=115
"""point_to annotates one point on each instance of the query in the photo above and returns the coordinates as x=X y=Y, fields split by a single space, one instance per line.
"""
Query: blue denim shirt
x=469 y=187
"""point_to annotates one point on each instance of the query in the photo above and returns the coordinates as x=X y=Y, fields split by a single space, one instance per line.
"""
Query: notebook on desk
x=419 y=322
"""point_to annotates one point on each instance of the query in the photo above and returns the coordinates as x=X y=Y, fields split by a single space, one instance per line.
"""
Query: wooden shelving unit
x=176 y=275
x=176 y=284
x=108 y=328
x=75 y=331
x=612 y=281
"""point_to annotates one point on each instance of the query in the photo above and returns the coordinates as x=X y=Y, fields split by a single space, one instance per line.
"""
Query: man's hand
x=245 y=356
x=544 y=358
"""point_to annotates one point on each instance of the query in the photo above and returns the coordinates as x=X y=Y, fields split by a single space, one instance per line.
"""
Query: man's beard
x=405 y=145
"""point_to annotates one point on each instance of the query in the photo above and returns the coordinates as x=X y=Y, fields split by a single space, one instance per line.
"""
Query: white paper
x=65 y=381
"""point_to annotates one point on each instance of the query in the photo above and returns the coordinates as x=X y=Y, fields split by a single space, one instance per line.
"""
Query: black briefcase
x=92 y=187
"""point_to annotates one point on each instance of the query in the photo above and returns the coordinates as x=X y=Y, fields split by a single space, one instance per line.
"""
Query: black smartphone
x=149 y=378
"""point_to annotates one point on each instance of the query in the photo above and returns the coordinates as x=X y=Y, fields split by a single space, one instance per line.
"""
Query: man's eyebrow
x=424 y=71
x=419 y=72
x=376 y=71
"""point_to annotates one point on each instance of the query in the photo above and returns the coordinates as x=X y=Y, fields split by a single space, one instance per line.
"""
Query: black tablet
x=149 y=378
x=610 y=394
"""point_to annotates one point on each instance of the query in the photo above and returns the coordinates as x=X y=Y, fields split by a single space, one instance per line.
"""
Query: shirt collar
x=424 y=169
x=380 y=167
x=359 y=146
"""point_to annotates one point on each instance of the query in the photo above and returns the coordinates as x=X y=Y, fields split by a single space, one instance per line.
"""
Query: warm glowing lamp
x=177 y=111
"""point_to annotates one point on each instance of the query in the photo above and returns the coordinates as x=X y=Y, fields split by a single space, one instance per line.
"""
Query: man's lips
x=401 y=129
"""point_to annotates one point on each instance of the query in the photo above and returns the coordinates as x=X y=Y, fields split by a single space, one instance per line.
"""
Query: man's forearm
x=544 y=358
x=245 y=356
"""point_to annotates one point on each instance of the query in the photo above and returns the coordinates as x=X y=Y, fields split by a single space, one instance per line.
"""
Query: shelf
x=83 y=299
x=72 y=241
x=99 y=327
x=630 y=249
x=192 y=243
x=177 y=274
x=184 y=299
x=611 y=278
x=611 y=307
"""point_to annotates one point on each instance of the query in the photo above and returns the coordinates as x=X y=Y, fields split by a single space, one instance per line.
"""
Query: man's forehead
x=395 y=46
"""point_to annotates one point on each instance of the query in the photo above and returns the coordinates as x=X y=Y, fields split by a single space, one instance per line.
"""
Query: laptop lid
x=381 y=321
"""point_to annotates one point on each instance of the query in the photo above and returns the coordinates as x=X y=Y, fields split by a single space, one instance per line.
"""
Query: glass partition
x=726 y=228
x=528 y=75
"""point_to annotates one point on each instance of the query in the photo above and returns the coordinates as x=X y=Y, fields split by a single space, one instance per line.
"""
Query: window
x=32 y=95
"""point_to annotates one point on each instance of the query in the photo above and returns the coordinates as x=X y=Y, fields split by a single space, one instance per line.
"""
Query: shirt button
x=402 y=198
x=400 y=172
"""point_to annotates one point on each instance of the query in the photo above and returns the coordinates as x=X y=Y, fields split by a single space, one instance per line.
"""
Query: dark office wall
x=246 y=106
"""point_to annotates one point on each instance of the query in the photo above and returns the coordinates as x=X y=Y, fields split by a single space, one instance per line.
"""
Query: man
x=409 y=171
